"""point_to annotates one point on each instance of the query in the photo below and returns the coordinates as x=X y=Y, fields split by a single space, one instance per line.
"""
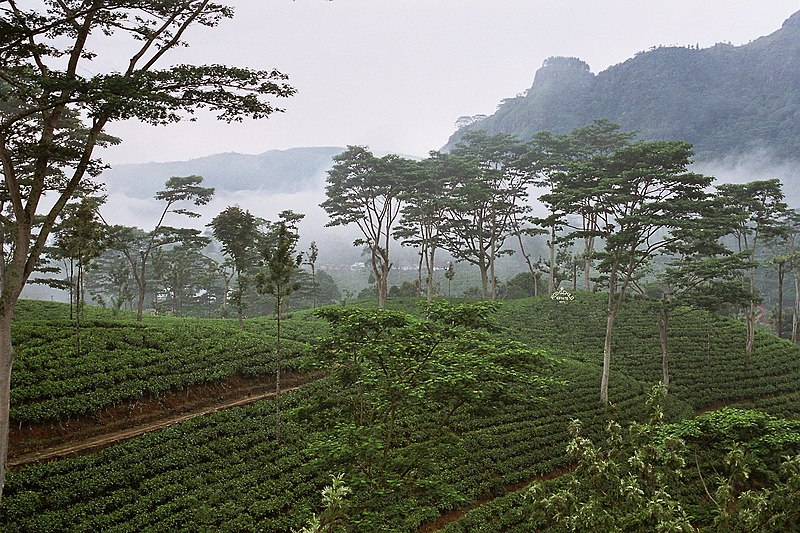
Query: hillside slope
x=725 y=100
x=225 y=471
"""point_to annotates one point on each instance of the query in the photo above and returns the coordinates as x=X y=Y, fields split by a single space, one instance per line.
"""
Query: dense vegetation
x=226 y=472
x=725 y=100
x=419 y=413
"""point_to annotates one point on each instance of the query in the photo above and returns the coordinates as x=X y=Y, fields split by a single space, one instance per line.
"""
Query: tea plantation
x=227 y=472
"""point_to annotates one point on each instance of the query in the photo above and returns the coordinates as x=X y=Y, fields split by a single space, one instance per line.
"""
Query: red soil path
x=44 y=442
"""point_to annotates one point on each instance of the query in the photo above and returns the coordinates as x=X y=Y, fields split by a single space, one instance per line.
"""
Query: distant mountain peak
x=792 y=22
x=726 y=100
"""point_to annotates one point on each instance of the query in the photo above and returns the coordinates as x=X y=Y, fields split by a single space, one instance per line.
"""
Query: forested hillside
x=725 y=100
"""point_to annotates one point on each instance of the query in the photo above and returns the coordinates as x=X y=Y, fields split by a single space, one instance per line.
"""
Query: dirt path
x=456 y=514
x=115 y=425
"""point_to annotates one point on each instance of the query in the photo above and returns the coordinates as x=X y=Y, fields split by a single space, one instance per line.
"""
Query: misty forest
x=566 y=318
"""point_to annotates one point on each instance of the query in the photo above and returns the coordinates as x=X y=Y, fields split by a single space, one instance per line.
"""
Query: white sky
x=396 y=74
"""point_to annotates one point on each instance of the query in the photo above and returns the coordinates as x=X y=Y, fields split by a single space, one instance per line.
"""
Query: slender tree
x=366 y=191
x=784 y=258
x=760 y=217
x=239 y=233
x=281 y=262
x=449 y=274
x=80 y=237
x=311 y=261
x=793 y=252
x=422 y=216
x=702 y=273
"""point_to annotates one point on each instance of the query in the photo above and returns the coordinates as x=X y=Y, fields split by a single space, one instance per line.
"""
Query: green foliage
x=122 y=361
x=740 y=476
x=521 y=285
x=225 y=472
x=703 y=375
x=367 y=191
x=396 y=366
x=623 y=485
x=281 y=260
x=483 y=195
x=333 y=518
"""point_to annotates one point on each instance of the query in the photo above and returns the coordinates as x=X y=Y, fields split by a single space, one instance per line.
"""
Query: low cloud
x=755 y=166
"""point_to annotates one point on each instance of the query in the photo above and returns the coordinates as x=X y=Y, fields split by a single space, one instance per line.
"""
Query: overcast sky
x=397 y=74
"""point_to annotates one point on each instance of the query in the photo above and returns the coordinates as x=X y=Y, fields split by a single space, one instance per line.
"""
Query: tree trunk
x=313 y=286
x=6 y=361
x=796 y=314
x=240 y=312
x=493 y=280
x=240 y=300
x=431 y=266
x=78 y=308
x=663 y=326
x=614 y=302
x=71 y=276
x=422 y=261
x=587 y=262
x=380 y=269
x=484 y=280
x=551 y=284
x=278 y=377
x=779 y=314
x=574 y=276
x=528 y=261
x=607 y=351
x=751 y=330
x=13 y=282
x=383 y=286
x=142 y=285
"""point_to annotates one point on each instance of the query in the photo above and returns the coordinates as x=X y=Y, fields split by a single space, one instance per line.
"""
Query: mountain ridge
x=279 y=171
x=724 y=99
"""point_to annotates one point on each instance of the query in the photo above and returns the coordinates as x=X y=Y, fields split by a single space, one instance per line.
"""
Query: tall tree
x=45 y=52
x=79 y=238
x=760 y=216
x=311 y=261
x=281 y=262
x=785 y=258
x=177 y=190
x=483 y=199
x=366 y=191
x=568 y=162
x=239 y=233
x=645 y=192
x=422 y=219
x=700 y=272
x=793 y=252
